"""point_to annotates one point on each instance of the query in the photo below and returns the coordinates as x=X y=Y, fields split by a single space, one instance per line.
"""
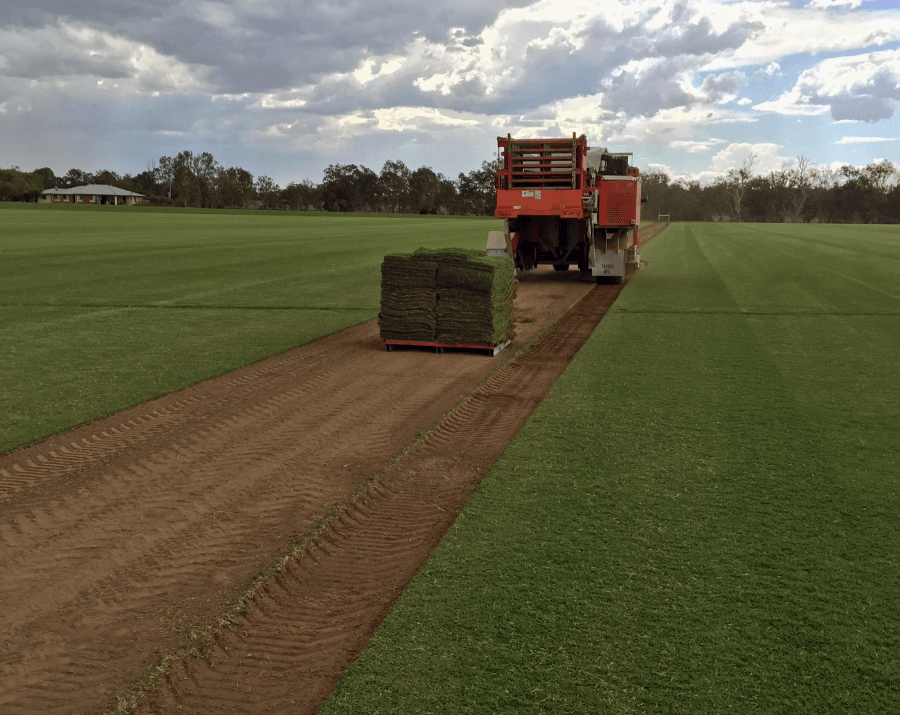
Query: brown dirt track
x=118 y=537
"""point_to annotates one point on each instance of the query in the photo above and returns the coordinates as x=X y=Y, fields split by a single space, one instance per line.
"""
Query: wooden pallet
x=440 y=347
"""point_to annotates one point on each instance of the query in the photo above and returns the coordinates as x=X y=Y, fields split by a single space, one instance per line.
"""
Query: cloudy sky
x=287 y=87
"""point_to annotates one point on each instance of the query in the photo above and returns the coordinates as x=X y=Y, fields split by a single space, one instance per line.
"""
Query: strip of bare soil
x=118 y=537
x=288 y=653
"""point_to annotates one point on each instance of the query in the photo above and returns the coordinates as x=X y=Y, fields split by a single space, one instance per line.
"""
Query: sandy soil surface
x=119 y=537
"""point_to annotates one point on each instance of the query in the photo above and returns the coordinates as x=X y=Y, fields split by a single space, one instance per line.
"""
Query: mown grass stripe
x=774 y=274
x=159 y=306
x=703 y=517
x=101 y=310
x=808 y=313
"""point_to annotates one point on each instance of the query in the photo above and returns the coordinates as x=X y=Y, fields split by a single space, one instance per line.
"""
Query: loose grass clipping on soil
x=447 y=295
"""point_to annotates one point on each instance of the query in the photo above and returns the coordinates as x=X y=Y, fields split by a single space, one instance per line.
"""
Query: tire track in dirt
x=264 y=446
x=43 y=467
x=289 y=651
x=99 y=445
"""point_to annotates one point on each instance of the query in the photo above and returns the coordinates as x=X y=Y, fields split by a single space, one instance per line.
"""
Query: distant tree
x=352 y=187
x=300 y=197
x=892 y=204
x=235 y=187
x=763 y=198
x=207 y=170
x=17 y=185
x=366 y=193
x=165 y=174
x=877 y=178
x=424 y=186
x=393 y=182
x=735 y=183
x=655 y=186
x=145 y=183
x=266 y=189
x=822 y=207
x=48 y=178
x=447 y=198
x=13 y=187
x=186 y=186
x=76 y=177
x=799 y=183
x=856 y=194
x=477 y=190
x=107 y=178
x=342 y=186
x=191 y=179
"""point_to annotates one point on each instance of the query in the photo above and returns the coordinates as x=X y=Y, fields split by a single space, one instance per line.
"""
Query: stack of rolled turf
x=408 y=297
x=449 y=296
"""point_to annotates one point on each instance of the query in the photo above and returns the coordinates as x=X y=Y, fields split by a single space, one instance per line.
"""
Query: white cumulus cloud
x=695 y=147
x=864 y=140
x=862 y=87
x=784 y=31
x=766 y=157
x=64 y=51
x=304 y=83
x=827 y=4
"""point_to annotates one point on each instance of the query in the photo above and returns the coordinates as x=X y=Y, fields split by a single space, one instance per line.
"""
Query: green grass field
x=704 y=518
x=102 y=308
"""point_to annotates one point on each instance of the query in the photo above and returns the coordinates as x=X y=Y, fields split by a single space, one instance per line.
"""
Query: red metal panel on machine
x=539 y=202
x=617 y=203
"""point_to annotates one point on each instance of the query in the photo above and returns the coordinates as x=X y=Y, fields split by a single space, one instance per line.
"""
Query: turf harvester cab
x=565 y=204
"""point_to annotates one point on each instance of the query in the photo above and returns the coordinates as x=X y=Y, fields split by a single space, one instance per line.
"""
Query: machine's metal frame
x=565 y=205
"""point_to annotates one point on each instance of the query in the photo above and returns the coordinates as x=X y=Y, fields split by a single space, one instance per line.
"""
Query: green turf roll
x=449 y=295
x=408 y=297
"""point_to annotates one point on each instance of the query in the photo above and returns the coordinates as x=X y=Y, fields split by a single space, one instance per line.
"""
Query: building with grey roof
x=91 y=194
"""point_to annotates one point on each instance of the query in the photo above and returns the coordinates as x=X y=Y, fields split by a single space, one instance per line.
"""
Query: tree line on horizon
x=199 y=181
x=800 y=194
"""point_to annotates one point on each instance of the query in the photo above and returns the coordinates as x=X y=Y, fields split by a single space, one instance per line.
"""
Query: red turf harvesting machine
x=565 y=204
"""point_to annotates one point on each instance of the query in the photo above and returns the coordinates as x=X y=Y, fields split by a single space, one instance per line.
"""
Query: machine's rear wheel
x=560 y=267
